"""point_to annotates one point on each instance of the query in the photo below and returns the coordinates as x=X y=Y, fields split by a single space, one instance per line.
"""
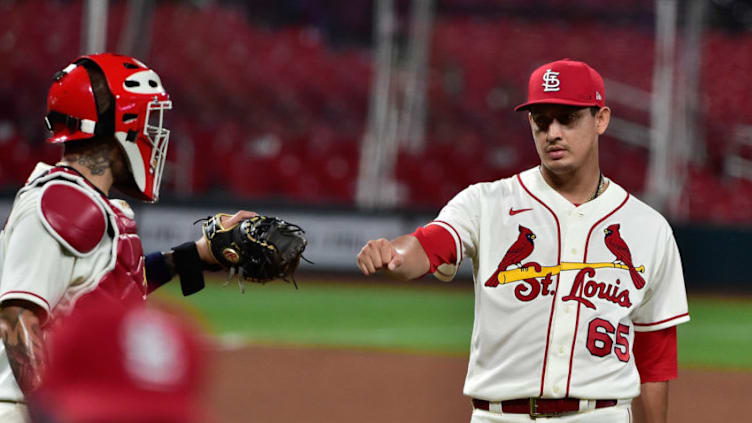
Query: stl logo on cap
x=550 y=81
x=582 y=87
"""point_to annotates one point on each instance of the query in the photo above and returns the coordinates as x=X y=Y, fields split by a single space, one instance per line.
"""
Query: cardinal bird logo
x=520 y=249
x=619 y=248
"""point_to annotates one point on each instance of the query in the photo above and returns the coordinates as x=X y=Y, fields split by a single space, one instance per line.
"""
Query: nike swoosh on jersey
x=512 y=211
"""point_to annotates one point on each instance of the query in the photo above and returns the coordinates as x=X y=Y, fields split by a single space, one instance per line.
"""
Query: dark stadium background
x=273 y=102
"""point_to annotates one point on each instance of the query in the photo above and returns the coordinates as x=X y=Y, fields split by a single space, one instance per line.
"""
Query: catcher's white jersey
x=40 y=266
x=559 y=289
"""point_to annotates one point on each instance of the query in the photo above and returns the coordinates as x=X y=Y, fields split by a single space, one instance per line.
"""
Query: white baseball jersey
x=561 y=289
x=40 y=264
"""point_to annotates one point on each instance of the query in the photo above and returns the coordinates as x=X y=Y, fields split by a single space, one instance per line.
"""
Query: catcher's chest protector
x=126 y=281
x=121 y=277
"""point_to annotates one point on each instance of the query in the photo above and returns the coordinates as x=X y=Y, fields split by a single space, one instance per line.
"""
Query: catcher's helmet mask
x=109 y=95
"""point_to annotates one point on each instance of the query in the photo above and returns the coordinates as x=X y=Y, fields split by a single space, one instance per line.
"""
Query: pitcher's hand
x=378 y=254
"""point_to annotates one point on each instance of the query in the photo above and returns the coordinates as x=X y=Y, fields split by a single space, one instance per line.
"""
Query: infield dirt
x=286 y=385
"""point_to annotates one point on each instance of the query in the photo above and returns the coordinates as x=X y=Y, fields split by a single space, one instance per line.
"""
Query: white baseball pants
x=615 y=414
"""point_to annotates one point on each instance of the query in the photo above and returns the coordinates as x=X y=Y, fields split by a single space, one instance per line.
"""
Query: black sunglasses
x=564 y=117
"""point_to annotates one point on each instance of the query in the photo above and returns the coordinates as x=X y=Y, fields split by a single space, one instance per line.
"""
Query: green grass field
x=420 y=319
x=719 y=334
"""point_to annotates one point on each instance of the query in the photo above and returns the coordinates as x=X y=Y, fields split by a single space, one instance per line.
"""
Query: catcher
x=67 y=244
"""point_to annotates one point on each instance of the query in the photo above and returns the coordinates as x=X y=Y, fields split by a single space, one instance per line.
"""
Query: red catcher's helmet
x=113 y=95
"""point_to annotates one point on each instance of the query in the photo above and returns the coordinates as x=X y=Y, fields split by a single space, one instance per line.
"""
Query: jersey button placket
x=563 y=327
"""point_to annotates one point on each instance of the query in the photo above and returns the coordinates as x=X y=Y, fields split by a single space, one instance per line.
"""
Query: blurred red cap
x=115 y=364
x=567 y=82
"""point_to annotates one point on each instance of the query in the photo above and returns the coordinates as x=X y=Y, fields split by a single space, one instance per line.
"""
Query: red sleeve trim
x=438 y=244
x=27 y=293
x=655 y=355
x=661 y=321
x=47 y=311
x=458 y=239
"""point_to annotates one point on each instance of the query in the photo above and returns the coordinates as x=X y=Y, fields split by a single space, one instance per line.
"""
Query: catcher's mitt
x=259 y=249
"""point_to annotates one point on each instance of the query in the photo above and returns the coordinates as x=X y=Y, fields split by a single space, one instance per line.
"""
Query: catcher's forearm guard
x=259 y=249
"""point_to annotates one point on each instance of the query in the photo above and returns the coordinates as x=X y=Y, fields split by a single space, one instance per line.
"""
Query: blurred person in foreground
x=123 y=365
x=66 y=243
x=578 y=284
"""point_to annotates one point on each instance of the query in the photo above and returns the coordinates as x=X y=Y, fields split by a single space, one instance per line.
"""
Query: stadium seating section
x=278 y=114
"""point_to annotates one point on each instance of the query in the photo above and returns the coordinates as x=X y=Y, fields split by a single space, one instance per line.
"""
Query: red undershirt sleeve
x=655 y=355
x=438 y=244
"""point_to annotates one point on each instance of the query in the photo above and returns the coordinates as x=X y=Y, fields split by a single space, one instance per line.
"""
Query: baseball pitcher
x=578 y=284
x=67 y=244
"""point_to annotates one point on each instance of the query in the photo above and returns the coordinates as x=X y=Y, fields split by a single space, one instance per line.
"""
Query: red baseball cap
x=567 y=82
x=113 y=364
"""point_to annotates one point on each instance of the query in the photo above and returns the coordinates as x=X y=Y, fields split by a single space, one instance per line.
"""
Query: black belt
x=541 y=407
